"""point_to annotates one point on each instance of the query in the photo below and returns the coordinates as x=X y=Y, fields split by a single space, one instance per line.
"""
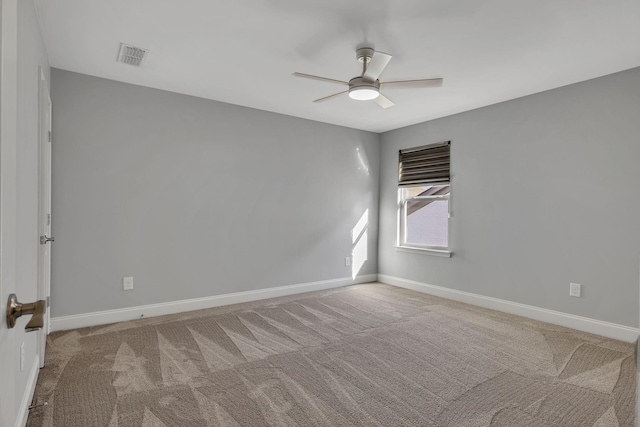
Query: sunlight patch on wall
x=360 y=227
x=363 y=162
x=359 y=239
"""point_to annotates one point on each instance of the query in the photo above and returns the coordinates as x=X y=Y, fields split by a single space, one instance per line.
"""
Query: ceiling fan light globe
x=363 y=93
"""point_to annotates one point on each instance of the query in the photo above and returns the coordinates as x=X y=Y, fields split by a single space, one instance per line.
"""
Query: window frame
x=401 y=241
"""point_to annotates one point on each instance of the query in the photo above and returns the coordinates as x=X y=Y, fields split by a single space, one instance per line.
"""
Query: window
x=425 y=216
x=423 y=194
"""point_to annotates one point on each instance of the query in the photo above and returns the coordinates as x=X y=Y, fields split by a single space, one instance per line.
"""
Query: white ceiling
x=243 y=52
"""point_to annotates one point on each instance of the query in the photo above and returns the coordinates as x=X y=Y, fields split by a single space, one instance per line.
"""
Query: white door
x=44 y=209
x=8 y=129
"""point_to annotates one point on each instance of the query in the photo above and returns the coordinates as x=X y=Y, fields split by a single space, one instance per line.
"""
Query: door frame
x=44 y=206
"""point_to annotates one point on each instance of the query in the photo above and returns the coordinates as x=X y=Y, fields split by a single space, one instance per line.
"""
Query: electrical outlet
x=575 y=289
x=127 y=283
x=347 y=261
x=21 y=357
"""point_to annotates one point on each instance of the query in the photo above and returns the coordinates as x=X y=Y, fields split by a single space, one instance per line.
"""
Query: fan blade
x=415 y=84
x=383 y=101
x=322 y=79
x=330 y=96
x=375 y=67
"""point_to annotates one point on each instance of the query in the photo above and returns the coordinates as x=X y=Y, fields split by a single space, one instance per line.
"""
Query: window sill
x=425 y=251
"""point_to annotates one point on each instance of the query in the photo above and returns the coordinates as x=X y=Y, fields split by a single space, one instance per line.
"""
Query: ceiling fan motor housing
x=363 y=90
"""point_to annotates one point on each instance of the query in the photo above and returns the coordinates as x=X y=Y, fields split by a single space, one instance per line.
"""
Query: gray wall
x=545 y=191
x=197 y=198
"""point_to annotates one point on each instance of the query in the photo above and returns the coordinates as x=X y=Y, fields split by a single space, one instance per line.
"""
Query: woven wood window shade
x=429 y=164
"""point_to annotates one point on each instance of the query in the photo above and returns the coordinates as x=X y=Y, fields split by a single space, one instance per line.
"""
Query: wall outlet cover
x=347 y=261
x=575 y=289
x=127 y=283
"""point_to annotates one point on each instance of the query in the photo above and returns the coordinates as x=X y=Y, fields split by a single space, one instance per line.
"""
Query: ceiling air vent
x=132 y=55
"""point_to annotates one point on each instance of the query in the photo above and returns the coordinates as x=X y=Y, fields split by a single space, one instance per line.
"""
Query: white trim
x=598 y=327
x=27 y=397
x=637 y=382
x=119 y=315
x=424 y=251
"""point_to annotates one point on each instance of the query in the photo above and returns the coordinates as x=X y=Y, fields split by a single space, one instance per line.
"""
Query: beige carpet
x=365 y=355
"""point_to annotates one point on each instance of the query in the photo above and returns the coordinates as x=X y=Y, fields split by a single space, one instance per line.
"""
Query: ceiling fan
x=367 y=86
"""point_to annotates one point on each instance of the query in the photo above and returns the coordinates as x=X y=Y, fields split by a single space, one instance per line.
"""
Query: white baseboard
x=27 y=397
x=119 y=315
x=585 y=324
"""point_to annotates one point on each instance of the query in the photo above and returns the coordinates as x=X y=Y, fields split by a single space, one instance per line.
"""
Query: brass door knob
x=16 y=309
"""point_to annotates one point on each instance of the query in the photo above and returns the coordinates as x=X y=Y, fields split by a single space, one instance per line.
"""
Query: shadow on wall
x=359 y=242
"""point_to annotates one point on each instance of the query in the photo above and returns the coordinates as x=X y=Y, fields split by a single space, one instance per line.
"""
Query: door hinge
x=48 y=302
x=49 y=136
x=48 y=219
